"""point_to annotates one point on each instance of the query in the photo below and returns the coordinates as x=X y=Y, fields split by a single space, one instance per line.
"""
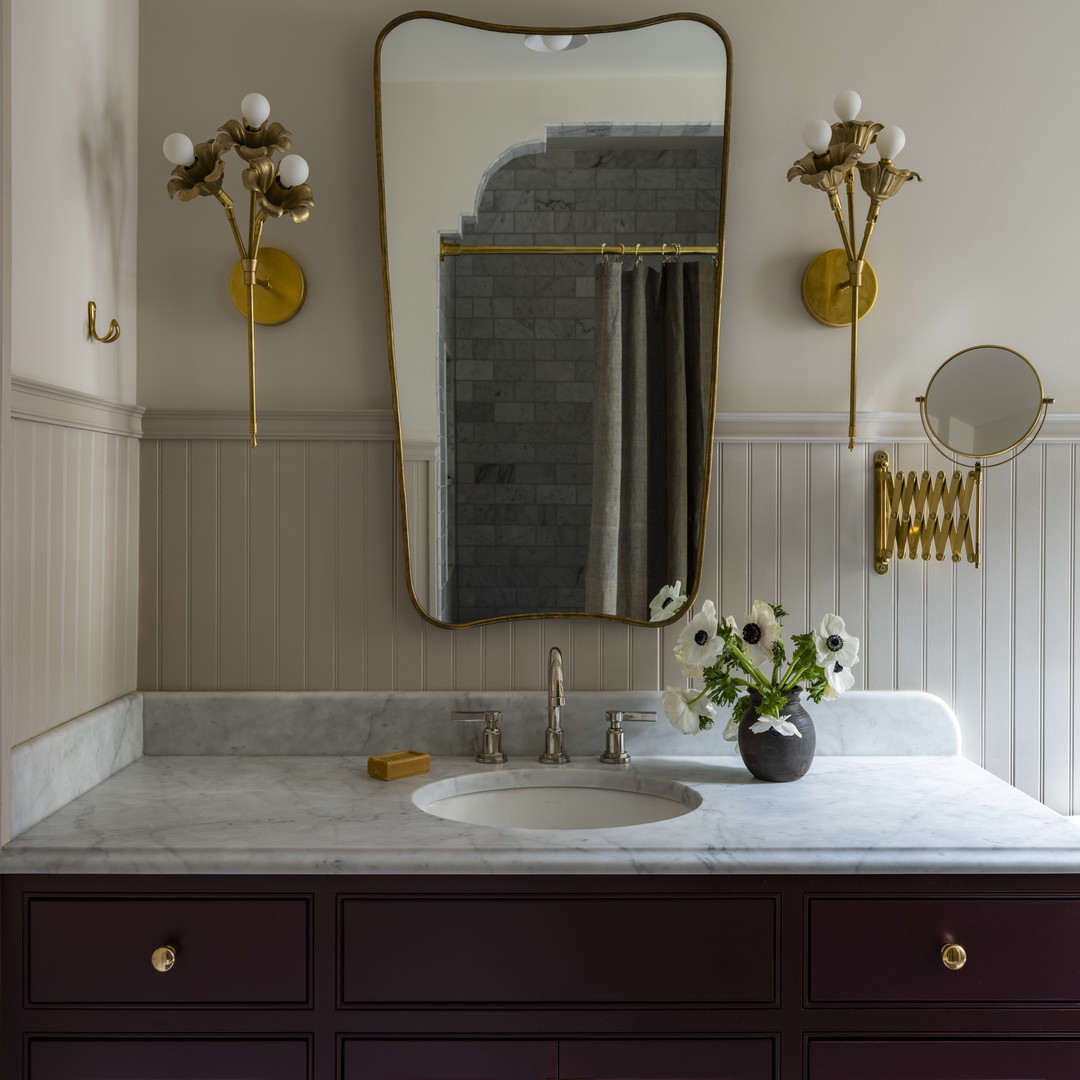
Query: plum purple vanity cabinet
x=540 y=977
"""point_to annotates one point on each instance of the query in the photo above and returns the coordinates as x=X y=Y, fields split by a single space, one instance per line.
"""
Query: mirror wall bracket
x=267 y=285
x=919 y=515
x=839 y=287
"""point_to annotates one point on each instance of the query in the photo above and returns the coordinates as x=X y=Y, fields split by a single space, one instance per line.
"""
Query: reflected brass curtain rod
x=618 y=250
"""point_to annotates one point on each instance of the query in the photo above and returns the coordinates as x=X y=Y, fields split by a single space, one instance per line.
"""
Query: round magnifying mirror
x=983 y=402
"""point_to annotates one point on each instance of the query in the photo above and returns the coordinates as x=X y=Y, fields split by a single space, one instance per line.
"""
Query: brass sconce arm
x=277 y=187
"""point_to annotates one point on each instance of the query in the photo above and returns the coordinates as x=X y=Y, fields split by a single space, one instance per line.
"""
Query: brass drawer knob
x=953 y=956
x=163 y=959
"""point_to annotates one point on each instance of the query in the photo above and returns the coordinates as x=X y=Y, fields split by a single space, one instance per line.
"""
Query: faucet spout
x=553 y=751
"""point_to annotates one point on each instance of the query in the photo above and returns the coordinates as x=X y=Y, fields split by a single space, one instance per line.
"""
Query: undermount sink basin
x=542 y=799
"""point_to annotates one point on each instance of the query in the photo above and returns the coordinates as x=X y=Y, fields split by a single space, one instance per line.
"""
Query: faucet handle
x=491 y=748
x=615 y=752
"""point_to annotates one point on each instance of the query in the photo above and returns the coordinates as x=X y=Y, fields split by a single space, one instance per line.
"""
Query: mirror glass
x=983 y=401
x=554 y=389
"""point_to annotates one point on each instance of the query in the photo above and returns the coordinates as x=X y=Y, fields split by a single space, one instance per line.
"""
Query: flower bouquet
x=748 y=668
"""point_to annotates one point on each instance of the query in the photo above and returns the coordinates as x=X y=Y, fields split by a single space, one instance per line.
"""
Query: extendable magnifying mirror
x=984 y=404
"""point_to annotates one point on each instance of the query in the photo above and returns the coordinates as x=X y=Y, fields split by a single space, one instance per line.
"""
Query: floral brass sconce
x=267 y=286
x=984 y=404
x=839 y=286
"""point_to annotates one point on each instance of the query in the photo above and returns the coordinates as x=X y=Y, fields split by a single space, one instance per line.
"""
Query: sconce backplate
x=283 y=295
x=826 y=292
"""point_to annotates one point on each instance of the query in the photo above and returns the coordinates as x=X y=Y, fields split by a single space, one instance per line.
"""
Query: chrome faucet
x=553 y=751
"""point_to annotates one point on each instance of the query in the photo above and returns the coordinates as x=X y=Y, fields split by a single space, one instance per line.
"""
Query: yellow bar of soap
x=395 y=766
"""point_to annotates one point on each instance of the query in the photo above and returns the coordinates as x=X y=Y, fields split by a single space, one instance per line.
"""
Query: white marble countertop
x=325 y=815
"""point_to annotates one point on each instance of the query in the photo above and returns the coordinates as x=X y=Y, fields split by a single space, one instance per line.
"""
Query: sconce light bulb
x=847 y=104
x=557 y=42
x=254 y=109
x=890 y=141
x=817 y=135
x=178 y=149
x=292 y=170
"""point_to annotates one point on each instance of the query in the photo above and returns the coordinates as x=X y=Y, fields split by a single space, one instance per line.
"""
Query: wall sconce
x=984 y=402
x=267 y=286
x=839 y=286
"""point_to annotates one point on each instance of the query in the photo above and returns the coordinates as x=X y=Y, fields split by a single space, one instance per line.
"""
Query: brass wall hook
x=114 y=326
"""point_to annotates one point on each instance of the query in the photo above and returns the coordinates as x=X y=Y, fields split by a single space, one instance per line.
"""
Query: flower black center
x=837 y=667
x=667 y=600
x=701 y=637
x=751 y=632
x=835 y=642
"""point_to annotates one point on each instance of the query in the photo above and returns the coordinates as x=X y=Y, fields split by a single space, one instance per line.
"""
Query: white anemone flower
x=699 y=645
x=839 y=679
x=691 y=671
x=760 y=631
x=684 y=711
x=778 y=723
x=667 y=602
x=835 y=645
x=731 y=729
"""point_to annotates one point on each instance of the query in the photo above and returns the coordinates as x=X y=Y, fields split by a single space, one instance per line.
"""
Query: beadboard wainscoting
x=281 y=568
x=75 y=527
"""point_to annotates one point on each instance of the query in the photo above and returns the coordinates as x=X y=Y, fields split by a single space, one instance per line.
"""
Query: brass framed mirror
x=552 y=220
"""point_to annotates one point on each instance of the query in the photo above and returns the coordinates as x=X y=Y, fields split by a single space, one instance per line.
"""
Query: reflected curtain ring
x=637 y=255
x=603 y=253
x=622 y=252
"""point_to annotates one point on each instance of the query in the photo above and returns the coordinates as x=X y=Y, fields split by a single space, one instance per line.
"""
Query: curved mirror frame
x=414 y=363
x=983 y=402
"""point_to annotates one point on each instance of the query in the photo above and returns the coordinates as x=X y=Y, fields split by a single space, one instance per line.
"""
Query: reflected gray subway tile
x=552 y=329
x=513 y=200
x=614 y=179
x=474 y=285
x=575 y=178
x=536 y=556
x=556 y=494
x=516 y=514
x=677 y=199
x=510 y=329
x=534 y=307
x=515 y=412
x=534 y=221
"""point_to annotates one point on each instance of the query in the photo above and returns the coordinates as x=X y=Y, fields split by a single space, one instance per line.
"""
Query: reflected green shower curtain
x=651 y=430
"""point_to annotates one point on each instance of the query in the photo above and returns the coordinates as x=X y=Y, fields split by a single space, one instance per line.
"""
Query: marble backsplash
x=863 y=723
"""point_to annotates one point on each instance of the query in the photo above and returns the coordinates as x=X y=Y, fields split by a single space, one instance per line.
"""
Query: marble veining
x=244 y=814
x=48 y=771
x=861 y=723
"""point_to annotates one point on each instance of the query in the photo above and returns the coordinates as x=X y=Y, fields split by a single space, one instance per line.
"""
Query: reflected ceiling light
x=839 y=286
x=555 y=42
x=277 y=188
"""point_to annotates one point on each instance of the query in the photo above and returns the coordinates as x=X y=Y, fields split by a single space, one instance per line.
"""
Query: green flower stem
x=748 y=667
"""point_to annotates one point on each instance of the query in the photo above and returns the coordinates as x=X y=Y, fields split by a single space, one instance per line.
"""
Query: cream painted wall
x=74 y=89
x=69 y=495
x=975 y=254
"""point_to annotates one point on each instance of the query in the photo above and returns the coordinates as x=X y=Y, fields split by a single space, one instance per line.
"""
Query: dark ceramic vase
x=772 y=756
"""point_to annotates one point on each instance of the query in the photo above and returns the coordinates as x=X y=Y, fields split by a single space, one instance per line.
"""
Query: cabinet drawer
x=241 y=951
x=558 y=950
x=945 y=1059
x=885 y=950
x=168 y=1059
x=446 y=1059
